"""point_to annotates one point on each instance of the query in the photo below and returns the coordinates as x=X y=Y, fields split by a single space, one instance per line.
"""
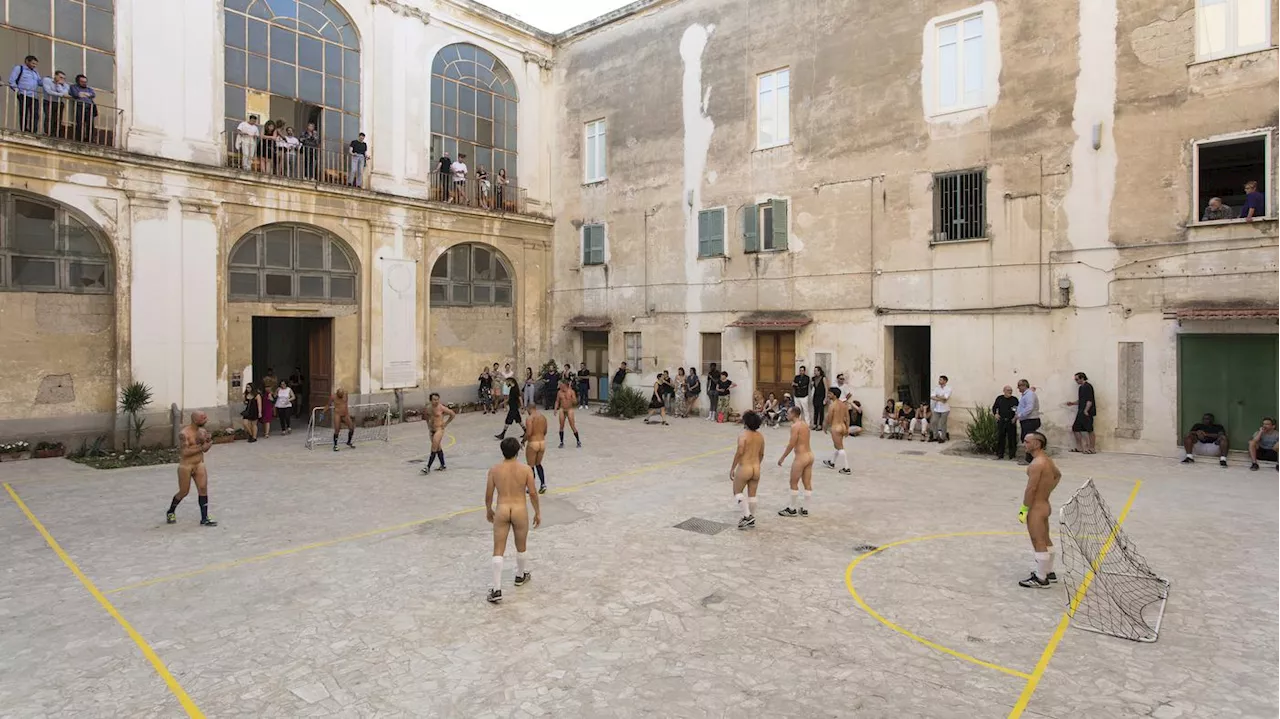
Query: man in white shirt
x=287 y=145
x=459 y=170
x=940 y=403
x=846 y=396
x=247 y=141
x=56 y=90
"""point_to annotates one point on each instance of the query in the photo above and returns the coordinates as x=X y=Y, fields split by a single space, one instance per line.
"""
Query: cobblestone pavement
x=349 y=585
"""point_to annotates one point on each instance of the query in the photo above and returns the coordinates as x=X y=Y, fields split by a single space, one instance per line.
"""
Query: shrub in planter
x=224 y=436
x=626 y=403
x=982 y=431
x=18 y=449
x=45 y=450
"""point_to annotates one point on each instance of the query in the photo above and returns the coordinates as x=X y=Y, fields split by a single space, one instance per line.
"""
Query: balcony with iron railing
x=60 y=118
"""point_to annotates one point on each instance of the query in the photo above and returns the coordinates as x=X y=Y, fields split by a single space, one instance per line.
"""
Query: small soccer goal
x=1110 y=588
x=371 y=421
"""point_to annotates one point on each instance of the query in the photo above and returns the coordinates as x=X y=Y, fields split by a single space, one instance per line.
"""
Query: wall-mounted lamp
x=1097 y=135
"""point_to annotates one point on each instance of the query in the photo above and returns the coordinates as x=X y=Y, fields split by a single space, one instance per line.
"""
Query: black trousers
x=1006 y=438
x=28 y=112
x=1025 y=427
x=285 y=415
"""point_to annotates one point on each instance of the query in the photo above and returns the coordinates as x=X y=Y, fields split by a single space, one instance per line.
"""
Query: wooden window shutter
x=779 y=224
x=750 y=231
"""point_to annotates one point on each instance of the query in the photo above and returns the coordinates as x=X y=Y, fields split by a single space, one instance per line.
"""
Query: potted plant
x=223 y=436
x=14 y=451
x=412 y=415
x=44 y=450
x=134 y=397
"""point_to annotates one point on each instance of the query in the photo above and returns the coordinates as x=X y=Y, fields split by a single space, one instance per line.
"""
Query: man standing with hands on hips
x=940 y=403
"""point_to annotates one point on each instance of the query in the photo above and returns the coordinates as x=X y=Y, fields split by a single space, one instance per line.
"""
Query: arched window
x=296 y=60
x=471 y=275
x=46 y=248
x=77 y=37
x=473 y=109
x=288 y=262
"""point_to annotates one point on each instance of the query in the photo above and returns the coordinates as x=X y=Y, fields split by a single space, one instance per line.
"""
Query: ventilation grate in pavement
x=864 y=548
x=702 y=526
x=912 y=451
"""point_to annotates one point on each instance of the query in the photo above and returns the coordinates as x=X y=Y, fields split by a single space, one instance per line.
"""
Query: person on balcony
x=502 y=189
x=359 y=154
x=444 y=176
x=482 y=178
x=310 y=142
x=267 y=147
x=24 y=80
x=85 y=108
x=287 y=149
x=247 y=141
x=459 y=170
x=56 y=91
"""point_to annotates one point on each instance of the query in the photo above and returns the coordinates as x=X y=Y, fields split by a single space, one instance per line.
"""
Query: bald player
x=837 y=422
x=535 y=443
x=438 y=416
x=513 y=482
x=801 y=466
x=566 y=403
x=341 y=417
x=745 y=470
x=193 y=441
x=1042 y=479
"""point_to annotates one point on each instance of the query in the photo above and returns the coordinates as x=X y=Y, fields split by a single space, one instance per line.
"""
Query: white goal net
x=1110 y=588
x=371 y=422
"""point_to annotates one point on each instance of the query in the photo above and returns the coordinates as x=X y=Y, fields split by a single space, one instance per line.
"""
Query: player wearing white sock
x=745 y=470
x=513 y=483
x=801 y=466
x=1042 y=479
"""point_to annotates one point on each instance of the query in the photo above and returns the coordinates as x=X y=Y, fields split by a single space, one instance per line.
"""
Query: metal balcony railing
x=62 y=118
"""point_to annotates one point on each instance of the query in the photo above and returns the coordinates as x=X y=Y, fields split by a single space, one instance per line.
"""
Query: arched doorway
x=57 y=298
x=293 y=293
x=472 y=319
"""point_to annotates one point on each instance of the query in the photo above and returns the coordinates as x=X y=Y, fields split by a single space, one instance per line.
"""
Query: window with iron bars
x=960 y=205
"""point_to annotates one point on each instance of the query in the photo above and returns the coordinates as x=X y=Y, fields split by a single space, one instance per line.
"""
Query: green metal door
x=1231 y=376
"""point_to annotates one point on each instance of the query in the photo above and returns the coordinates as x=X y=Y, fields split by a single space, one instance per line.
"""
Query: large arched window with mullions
x=293 y=60
x=471 y=274
x=473 y=109
x=45 y=247
x=291 y=262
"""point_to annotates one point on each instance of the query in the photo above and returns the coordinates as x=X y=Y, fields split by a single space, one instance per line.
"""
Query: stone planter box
x=48 y=453
x=413 y=418
x=224 y=438
x=14 y=456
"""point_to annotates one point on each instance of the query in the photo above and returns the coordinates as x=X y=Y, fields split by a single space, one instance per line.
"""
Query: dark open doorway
x=910 y=363
x=302 y=345
x=595 y=353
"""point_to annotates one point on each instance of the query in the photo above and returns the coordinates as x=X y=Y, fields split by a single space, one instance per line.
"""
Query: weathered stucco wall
x=59 y=355
x=463 y=341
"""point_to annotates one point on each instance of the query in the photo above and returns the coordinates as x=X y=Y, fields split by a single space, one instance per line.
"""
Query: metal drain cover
x=702 y=526
x=864 y=548
x=912 y=451
x=416 y=461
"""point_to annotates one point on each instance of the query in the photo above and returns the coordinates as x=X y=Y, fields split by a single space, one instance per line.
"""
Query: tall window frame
x=594 y=242
x=594 y=142
x=47 y=247
x=773 y=108
x=962 y=61
x=474 y=109
x=711 y=231
x=1231 y=27
x=472 y=275
x=74 y=36
x=292 y=263
x=299 y=58
x=633 y=350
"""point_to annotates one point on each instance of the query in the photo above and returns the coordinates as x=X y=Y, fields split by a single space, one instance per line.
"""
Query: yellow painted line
x=403 y=525
x=1034 y=679
x=181 y=694
x=848 y=582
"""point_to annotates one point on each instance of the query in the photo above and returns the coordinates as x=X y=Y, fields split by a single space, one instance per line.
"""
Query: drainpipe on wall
x=649 y=213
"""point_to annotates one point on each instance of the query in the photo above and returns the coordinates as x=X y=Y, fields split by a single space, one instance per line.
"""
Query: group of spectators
x=541 y=388
x=452 y=179
x=274 y=148
x=1255 y=206
x=1210 y=437
x=43 y=102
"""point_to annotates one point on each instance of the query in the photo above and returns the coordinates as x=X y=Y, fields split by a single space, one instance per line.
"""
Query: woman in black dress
x=656 y=403
x=819 y=398
x=252 y=410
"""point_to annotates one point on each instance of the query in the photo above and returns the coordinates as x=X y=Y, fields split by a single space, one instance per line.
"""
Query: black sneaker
x=1188 y=460
x=1034 y=582
x=335 y=447
x=542 y=489
x=1253 y=467
x=579 y=444
x=441 y=468
x=208 y=523
x=562 y=445
x=252 y=440
x=352 y=446
x=788 y=512
x=747 y=522
x=172 y=518
x=804 y=512
x=828 y=464
x=846 y=470
x=503 y=435
x=1051 y=576
x=495 y=596
x=426 y=469
x=523 y=579
x=1222 y=461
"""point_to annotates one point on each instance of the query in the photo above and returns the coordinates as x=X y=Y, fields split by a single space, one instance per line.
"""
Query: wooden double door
x=775 y=362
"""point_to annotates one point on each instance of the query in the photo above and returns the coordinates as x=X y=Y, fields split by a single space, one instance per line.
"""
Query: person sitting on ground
x=888 y=419
x=771 y=410
x=905 y=414
x=920 y=423
x=785 y=404
x=1207 y=432
x=1263 y=444
x=855 y=418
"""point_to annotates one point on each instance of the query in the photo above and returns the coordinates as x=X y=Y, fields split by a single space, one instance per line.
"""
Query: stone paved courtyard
x=349 y=585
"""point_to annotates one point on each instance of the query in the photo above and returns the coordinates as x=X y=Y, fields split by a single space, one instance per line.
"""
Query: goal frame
x=356 y=410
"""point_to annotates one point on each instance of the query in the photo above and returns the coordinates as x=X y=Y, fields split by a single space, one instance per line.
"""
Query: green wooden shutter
x=750 y=233
x=704 y=236
x=779 y=224
x=715 y=232
x=593 y=245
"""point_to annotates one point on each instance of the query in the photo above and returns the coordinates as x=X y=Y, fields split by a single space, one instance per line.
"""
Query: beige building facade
x=988 y=191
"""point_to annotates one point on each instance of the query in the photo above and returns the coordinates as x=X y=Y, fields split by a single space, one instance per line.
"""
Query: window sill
x=766 y=148
x=585 y=265
x=959 y=110
x=1242 y=53
x=720 y=256
x=937 y=243
x=1235 y=221
x=776 y=251
x=594 y=183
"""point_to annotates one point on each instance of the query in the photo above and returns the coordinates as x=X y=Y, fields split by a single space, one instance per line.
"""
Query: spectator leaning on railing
x=24 y=80
x=85 y=109
x=310 y=142
x=359 y=154
x=287 y=146
x=56 y=91
x=247 y=141
x=1217 y=211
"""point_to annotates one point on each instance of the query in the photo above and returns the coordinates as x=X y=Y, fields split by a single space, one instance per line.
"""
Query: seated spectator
x=1209 y=434
x=771 y=410
x=855 y=418
x=1263 y=444
x=920 y=423
x=905 y=414
x=889 y=419
x=786 y=404
x=1217 y=211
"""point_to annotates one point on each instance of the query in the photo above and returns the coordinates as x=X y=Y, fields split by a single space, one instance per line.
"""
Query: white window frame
x=594 y=135
x=1232 y=26
x=782 y=111
x=633 y=363
x=582 y=244
x=1269 y=177
x=961 y=91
